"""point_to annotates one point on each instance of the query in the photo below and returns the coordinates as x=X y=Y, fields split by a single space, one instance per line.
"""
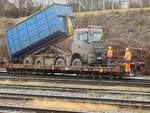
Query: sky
x=56 y=1
x=61 y=1
x=46 y=1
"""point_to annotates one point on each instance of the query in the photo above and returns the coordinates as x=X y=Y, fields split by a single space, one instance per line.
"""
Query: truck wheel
x=39 y=61
x=77 y=62
x=60 y=62
x=28 y=60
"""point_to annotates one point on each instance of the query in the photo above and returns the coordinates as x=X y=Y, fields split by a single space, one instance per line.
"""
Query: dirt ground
x=122 y=28
x=60 y=104
x=77 y=106
x=4 y=24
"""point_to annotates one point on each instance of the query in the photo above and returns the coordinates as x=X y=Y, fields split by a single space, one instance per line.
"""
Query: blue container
x=45 y=25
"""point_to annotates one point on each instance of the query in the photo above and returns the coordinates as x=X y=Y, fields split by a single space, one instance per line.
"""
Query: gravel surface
x=5 y=102
x=117 y=111
x=121 y=111
x=9 y=111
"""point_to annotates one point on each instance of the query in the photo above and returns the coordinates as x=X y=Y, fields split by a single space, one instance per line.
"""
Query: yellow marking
x=101 y=70
x=69 y=26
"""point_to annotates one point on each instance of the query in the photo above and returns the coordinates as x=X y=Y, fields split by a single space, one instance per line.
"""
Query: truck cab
x=88 y=46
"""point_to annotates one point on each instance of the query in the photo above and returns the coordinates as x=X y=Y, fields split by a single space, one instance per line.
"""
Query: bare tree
x=3 y=4
x=103 y=4
x=25 y=6
x=145 y=3
x=20 y=4
x=113 y=3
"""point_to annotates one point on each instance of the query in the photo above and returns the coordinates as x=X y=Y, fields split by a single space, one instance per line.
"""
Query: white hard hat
x=126 y=49
x=109 y=47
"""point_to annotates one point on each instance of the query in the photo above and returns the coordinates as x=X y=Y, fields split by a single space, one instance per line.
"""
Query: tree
x=20 y=4
x=145 y=3
x=3 y=4
x=113 y=4
x=103 y=4
x=27 y=7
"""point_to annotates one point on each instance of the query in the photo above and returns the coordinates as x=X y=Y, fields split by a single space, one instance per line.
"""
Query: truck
x=33 y=40
x=47 y=41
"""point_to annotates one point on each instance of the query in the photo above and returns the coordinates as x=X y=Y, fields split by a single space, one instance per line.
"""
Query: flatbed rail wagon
x=97 y=71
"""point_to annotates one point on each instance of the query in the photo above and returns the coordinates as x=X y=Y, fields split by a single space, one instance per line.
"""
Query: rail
x=73 y=80
x=73 y=89
x=109 y=101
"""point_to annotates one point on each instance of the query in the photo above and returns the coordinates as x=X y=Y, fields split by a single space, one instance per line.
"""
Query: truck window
x=83 y=36
x=95 y=37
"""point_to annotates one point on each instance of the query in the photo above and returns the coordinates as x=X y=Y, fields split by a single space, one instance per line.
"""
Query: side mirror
x=87 y=42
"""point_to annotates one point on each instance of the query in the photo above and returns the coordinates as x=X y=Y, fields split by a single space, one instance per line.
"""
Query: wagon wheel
x=60 y=62
x=77 y=62
x=39 y=61
x=28 y=60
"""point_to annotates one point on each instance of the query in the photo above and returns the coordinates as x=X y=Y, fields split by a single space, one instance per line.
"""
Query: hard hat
x=126 y=49
x=109 y=47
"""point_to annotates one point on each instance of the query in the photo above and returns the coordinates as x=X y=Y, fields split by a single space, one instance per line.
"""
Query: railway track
x=71 y=89
x=64 y=76
x=32 y=109
x=74 y=80
x=141 y=104
x=118 y=102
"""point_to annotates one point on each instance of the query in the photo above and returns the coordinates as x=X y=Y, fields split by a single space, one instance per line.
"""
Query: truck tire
x=28 y=60
x=77 y=62
x=60 y=62
x=39 y=61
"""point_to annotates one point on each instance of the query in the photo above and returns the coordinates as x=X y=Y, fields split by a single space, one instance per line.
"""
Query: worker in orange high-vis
x=109 y=56
x=127 y=59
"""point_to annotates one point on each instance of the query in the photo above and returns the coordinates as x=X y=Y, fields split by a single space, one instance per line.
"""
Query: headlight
x=99 y=58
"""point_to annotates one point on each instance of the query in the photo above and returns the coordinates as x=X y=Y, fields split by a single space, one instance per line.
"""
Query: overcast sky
x=46 y=1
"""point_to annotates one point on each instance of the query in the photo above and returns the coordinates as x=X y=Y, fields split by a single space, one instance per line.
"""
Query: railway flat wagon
x=46 y=25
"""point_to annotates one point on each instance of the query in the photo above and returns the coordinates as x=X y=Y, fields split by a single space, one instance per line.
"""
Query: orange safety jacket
x=128 y=55
x=109 y=53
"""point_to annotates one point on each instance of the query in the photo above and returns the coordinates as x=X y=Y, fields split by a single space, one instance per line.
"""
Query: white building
x=124 y=4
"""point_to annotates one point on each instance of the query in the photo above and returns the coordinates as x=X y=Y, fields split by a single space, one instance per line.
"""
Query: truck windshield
x=95 y=37
x=83 y=36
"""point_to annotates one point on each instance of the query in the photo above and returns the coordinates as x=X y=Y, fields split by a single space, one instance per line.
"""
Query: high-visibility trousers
x=109 y=61
x=127 y=66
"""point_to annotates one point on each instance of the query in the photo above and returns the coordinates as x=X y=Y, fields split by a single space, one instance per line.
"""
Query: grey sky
x=46 y=1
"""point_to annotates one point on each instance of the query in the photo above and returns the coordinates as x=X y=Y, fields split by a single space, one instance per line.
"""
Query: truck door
x=81 y=45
